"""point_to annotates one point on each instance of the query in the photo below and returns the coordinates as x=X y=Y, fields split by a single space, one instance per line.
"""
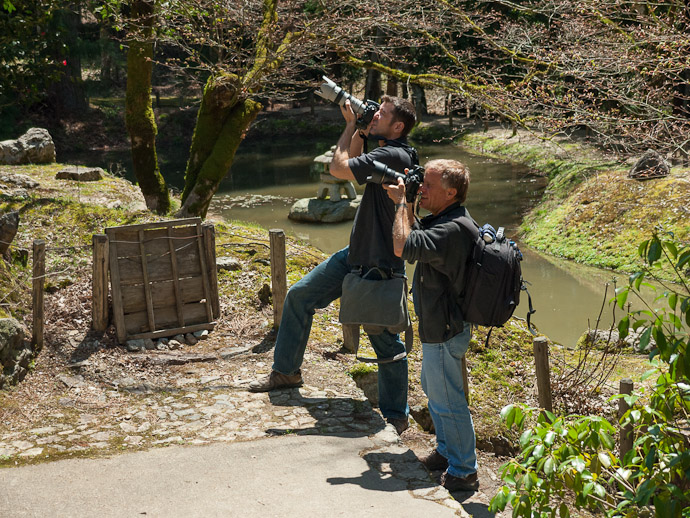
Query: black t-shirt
x=371 y=240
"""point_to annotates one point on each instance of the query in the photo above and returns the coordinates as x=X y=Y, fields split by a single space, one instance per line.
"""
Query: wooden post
x=39 y=272
x=626 y=432
x=99 y=292
x=351 y=337
x=541 y=362
x=465 y=379
x=278 y=275
x=209 y=232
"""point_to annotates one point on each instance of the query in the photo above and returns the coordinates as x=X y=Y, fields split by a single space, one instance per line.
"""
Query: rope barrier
x=171 y=238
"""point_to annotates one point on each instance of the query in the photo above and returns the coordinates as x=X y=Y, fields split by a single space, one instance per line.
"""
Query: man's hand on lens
x=348 y=114
x=396 y=192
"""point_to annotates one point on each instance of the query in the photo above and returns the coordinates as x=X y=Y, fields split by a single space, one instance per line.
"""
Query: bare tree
x=615 y=69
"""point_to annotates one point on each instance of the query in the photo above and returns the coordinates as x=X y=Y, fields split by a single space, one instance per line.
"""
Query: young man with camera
x=371 y=245
x=441 y=249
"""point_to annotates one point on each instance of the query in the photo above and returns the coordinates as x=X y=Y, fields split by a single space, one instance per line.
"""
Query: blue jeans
x=442 y=383
x=314 y=291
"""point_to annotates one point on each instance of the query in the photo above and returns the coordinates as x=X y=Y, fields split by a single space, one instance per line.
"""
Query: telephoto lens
x=332 y=92
x=365 y=110
x=383 y=174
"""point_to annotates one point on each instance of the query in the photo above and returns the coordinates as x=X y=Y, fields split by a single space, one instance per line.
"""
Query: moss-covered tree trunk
x=141 y=123
x=225 y=115
x=221 y=124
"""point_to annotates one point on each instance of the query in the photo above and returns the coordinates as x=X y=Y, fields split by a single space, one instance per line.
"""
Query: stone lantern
x=342 y=202
x=331 y=186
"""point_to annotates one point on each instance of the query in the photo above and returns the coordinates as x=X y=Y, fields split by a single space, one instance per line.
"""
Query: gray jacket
x=441 y=249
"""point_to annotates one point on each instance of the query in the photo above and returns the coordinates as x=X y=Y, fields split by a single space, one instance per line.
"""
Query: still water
x=568 y=298
x=265 y=180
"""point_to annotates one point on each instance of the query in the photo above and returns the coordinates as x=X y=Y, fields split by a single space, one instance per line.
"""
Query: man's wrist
x=399 y=205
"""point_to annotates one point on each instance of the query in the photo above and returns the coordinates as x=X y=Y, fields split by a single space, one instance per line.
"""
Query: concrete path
x=286 y=476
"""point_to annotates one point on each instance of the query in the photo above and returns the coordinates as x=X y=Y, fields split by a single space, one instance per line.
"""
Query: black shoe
x=434 y=461
x=400 y=425
x=468 y=483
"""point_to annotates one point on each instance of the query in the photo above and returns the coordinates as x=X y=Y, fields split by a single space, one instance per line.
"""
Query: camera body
x=364 y=109
x=412 y=179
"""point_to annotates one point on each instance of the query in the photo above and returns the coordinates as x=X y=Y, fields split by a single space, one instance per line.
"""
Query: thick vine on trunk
x=141 y=123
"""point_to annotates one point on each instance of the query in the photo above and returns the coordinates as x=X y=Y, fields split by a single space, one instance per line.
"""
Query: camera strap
x=399 y=143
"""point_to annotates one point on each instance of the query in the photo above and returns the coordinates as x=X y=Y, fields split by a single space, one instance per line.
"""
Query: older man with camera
x=371 y=246
x=440 y=248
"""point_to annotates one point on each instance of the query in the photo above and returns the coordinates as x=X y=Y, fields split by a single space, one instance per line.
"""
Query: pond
x=265 y=180
x=567 y=297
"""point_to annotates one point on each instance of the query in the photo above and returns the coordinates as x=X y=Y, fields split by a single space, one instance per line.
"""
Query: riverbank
x=592 y=212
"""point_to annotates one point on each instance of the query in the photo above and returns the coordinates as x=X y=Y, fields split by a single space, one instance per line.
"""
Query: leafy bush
x=572 y=461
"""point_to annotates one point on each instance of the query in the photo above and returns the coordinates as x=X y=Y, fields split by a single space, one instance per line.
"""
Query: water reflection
x=265 y=180
x=567 y=300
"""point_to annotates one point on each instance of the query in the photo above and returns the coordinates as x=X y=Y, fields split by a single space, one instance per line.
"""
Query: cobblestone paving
x=206 y=410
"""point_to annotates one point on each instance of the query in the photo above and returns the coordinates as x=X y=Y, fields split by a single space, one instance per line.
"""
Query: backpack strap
x=468 y=224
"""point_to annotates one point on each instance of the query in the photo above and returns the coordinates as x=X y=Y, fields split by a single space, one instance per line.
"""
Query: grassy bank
x=591 y=213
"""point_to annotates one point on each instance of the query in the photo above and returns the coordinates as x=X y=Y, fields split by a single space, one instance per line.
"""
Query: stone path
x=207 y=410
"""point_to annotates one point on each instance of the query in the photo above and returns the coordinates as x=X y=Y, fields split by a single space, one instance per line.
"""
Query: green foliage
x=29 y=41
x=568 y=461
x=361 y=369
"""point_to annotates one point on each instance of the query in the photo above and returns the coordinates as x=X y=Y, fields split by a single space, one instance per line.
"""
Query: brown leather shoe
x=275 y=380
x=400 y=425
x=434 y=461
x=468 y=483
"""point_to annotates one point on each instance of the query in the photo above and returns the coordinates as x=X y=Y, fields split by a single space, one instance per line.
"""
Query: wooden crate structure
x=163 y=278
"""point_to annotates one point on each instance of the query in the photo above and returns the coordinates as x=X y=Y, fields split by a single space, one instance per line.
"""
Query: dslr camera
x=365 y=110
x=412 y=179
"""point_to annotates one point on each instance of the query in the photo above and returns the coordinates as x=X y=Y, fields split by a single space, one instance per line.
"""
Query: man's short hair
x=403 y=111
x=454 y=175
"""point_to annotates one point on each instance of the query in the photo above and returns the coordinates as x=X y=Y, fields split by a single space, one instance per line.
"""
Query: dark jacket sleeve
x=441 y=250
x=443 y=247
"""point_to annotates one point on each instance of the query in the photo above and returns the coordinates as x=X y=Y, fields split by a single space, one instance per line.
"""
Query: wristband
x=398 y=205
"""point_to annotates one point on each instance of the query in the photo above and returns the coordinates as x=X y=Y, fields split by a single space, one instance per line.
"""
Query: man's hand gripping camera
x=413 y=178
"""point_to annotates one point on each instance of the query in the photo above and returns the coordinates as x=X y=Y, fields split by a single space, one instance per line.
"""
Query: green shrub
x=572 y=461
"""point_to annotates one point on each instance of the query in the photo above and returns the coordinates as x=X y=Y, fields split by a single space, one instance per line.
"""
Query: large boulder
x=34 y=147
x=9 y=224
x=80 y=173
x=609 y=340
x=16 y=352
x=313 y=210
x=650 y=165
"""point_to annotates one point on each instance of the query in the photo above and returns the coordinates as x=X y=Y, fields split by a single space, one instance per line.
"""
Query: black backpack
x=493 y=280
